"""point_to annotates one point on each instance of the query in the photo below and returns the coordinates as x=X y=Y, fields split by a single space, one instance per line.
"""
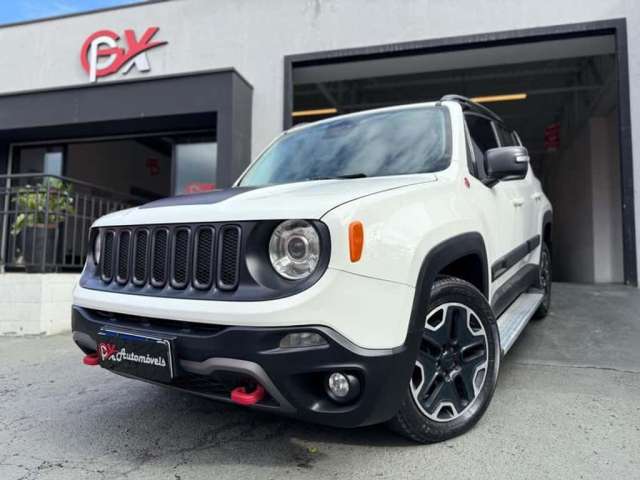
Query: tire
x=450 y=389
x=544 y=282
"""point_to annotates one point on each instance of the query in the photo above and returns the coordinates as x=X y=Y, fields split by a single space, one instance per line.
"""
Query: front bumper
x=211 y=358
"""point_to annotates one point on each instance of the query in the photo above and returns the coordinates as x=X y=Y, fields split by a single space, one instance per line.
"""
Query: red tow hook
x=240 y=396
x=91 y=359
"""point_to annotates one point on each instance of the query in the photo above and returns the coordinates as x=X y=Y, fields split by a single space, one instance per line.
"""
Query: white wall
x=255 y=35
x=36 y=304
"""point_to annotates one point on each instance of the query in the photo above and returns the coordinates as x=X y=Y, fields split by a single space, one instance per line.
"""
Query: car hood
x=310 y=200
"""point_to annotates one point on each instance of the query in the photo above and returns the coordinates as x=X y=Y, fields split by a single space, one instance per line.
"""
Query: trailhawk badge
x=101 y=54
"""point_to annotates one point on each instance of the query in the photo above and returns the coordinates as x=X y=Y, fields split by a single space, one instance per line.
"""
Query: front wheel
x=456 y=369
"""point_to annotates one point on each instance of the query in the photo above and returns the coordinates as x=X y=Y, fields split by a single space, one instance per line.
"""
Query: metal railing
x=45 y=220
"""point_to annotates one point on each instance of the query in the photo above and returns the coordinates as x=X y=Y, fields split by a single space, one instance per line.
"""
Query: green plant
x=34 y=201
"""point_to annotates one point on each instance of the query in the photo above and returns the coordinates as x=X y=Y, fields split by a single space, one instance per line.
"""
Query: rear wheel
x=456 y=368
x=544 y=282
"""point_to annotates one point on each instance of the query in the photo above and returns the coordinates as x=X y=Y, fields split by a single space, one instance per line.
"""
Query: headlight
x=294 y=249
x=97 y=248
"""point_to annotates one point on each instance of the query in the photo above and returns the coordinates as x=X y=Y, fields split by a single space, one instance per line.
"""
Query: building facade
x=110 y=109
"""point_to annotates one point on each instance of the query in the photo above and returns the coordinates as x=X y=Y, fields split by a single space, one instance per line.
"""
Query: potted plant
x=42 y=208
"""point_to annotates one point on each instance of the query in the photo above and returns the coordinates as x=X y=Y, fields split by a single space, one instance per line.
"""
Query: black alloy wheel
x=456 y=368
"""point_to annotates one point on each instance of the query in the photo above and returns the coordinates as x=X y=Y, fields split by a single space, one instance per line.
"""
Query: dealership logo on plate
x=105 y=53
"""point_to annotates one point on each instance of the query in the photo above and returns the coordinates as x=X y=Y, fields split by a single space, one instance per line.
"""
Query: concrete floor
x=567 y=406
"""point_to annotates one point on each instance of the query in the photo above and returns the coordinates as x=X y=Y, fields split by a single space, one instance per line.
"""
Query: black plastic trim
x=108 y=235
x=436 y=260
x=296 y=374
x=122 y=279
x=212 y=256
x=172 y=270
x=519 y=283
x=222 y=240
x=155 y=282
x=504 y=263
x=140 y=281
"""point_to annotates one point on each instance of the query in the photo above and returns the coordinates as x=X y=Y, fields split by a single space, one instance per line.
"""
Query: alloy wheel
x=452 y=362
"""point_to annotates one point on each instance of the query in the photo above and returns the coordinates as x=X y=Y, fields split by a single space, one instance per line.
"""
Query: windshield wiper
x=341 y=177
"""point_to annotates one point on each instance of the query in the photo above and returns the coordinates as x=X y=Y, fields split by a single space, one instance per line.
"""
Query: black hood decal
x=208 y=198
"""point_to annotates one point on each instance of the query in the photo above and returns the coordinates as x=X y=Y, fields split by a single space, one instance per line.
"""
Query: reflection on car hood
x=309 y=200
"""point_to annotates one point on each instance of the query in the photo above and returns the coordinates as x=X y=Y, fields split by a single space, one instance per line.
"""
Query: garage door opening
x=560 y=94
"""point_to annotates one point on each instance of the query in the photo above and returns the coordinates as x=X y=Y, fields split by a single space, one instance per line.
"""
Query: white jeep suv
x=372 y=267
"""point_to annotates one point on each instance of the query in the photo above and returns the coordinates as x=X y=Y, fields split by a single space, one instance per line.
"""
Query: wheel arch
x=445 y=258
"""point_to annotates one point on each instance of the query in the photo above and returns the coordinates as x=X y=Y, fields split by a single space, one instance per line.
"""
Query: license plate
x=137 y=355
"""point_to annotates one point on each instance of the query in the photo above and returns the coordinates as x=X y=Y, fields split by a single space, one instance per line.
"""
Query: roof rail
x=469 y=104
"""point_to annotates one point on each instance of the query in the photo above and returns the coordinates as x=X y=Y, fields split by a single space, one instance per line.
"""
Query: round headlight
x=294 y=249
x=97 y=248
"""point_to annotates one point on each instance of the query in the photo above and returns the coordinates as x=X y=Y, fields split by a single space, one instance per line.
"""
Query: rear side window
x=481 y=132
x=507 y=137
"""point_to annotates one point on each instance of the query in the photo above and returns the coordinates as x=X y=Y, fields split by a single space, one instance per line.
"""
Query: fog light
x=339 y=385
x=342 y=387
x=302 y=339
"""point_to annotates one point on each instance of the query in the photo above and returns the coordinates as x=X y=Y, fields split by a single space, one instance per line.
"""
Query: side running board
x=515 y=318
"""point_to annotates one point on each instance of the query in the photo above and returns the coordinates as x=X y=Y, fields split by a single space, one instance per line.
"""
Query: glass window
x=506 y=136
x=195 y=167
x=481 y=132
x=392 y=142
x=48 y=160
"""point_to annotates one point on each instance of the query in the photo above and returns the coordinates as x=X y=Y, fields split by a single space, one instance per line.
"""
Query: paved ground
x=567 y=406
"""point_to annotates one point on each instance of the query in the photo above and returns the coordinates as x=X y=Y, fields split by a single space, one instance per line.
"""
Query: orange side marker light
x=356 y=240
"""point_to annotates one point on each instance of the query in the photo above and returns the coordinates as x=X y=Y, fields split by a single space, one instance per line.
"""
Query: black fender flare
x=440 y=256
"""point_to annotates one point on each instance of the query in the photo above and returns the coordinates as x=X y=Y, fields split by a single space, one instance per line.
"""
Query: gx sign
x=101 y=54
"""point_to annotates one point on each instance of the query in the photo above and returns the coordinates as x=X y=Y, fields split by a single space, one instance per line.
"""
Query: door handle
x=518 y=202
x=537 y=196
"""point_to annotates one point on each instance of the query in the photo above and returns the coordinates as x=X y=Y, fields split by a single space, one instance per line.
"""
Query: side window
x=481 y=139
x=481 y=132
x=507 y=137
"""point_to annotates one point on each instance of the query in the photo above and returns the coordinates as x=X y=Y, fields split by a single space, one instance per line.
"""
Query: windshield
x=393 y=142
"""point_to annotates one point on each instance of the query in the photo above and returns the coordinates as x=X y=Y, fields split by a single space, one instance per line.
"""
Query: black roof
x=468 y=104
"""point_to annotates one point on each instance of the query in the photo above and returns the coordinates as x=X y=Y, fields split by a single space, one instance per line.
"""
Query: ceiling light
x=500 y=98
x=311 y=113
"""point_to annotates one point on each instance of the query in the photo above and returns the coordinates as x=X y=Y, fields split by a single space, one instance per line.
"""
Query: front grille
x=175 y=257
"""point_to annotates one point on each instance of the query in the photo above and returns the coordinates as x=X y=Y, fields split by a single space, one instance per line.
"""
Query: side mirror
x=506 y=163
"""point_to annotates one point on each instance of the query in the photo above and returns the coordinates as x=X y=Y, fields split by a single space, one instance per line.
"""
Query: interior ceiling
x=565 y=80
